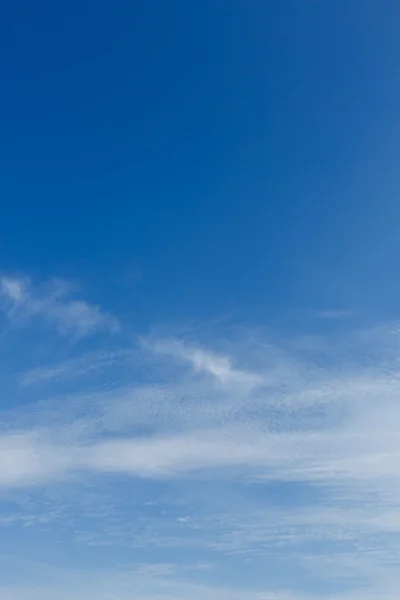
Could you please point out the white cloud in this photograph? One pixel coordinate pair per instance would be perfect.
(22, 302)
(26, 459)
(205, 361)
(14, 289)
(269, 432)
(328, 432)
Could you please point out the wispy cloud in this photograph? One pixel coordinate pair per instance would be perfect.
(23, 301)
(271, 433)
(220, 367)
(302, 446)
(75, 368)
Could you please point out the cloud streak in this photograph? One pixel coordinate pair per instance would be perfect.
(203, 361)
(22, 302)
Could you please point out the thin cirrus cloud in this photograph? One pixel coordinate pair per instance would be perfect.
(220, 367)
(75, 368)
(269, 433)
(302, 447)
(22, 301)
(359, 444)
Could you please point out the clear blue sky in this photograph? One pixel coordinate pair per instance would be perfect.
(199, 246)
(230, 153)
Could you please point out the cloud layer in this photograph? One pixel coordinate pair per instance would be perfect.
(284, 453)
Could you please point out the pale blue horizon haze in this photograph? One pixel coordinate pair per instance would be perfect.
(199, 300)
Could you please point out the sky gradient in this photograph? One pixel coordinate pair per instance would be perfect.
(199, 323)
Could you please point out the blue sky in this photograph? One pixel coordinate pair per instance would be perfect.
(199, 373)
